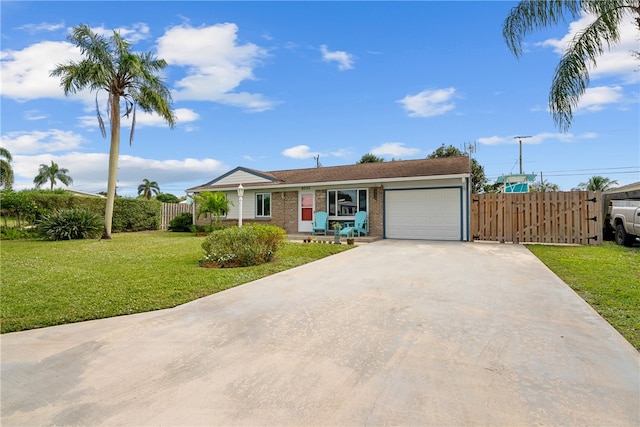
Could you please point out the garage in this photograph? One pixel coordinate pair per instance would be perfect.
(424, 214)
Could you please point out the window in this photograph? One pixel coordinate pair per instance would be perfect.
(263, 204)
(346, 202)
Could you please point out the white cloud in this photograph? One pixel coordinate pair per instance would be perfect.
(89, 171)
(43, 26)
(429, 103)
(493, 140)
(596, 98)
(183, 116)
(25, 73)
(537, 139)
(34, 115)
(216, 64)
(299, 152)
(51, 141)
(137, 32)
(344, 59)
(618, 61)
(394, 149)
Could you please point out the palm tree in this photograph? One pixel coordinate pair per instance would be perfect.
(598, 183)
(6, 171)
(51, 173)
(130, 77)
(572, 73)
(214, 204)
(148, 188)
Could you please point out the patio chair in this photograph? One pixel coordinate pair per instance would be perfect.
(320, 223)
(359, 226)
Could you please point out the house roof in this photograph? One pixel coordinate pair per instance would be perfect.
(85, 194)
(357, 172)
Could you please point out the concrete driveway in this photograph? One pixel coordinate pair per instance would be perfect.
(389, 333)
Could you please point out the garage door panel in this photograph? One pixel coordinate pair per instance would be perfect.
(430, 214)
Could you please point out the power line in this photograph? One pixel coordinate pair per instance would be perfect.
(579, 174)
(573, 172)
(589, 170)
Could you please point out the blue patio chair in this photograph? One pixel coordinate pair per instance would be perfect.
(359, 226)
(320, 223)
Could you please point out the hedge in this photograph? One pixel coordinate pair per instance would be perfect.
(129, 214)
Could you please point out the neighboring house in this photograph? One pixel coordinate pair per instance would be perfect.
(85, 194)
(410, 199)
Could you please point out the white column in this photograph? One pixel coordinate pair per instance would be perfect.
(240, 194)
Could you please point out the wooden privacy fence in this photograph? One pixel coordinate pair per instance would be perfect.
(172, 210)
(552, 217)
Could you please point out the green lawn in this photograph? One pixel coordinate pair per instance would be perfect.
(606, 276)
(49, 283)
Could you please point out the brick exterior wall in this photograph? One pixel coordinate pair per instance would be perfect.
(284, 211)
(375, 211)
(321, 200)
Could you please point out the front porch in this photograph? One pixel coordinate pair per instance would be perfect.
(299, 237)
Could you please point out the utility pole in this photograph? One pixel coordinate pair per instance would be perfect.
(470, 147)
(520, 138)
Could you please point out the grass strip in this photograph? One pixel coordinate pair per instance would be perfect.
(606, 276)
(51, 283)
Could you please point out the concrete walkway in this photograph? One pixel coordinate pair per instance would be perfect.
(389, 333)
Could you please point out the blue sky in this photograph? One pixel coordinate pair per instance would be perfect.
(271, 85)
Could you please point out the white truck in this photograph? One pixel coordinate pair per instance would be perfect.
(624, 218)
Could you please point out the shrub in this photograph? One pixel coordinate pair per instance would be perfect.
(136, 214)
(15, 233)
(250, 245)
(68, 224)
(182, 222)
(18, 205)
(207, 228)
(167, 198)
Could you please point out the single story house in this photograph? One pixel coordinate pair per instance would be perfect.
(408, 199)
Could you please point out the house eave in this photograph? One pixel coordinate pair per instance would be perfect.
(379, 181)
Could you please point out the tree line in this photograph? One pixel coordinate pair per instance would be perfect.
(53, 173)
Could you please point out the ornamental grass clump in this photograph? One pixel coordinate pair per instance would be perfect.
(70, 224)
(242, 247)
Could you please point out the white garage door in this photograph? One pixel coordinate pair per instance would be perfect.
(429, 214)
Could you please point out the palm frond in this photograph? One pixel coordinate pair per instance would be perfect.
(103, 131)
(6, 172)
(571, 77)
(133, 126)
(530, 15)
(6, 154)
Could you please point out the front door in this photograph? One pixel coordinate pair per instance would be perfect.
(306, 203)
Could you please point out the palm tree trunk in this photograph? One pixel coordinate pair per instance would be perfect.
(114, 152)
